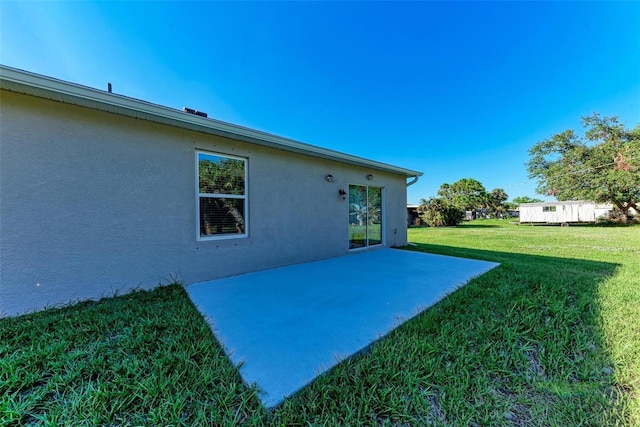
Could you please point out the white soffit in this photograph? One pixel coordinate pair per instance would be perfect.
(20, 81)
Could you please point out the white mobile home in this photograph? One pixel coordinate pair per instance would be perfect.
(103, 193)
(562, 212)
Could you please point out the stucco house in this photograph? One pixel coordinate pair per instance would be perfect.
(101, 193)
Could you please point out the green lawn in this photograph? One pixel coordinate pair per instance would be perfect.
(551, 337)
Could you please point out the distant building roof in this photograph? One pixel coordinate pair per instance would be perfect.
(567, 202)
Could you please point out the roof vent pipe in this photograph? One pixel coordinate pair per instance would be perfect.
(109, 89)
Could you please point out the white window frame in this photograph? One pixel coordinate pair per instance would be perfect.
(244, 197)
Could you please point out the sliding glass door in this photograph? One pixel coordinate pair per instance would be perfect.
(365, 216)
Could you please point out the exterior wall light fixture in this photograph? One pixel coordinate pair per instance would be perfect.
(329, 178)
(369, 177)
(342, 194)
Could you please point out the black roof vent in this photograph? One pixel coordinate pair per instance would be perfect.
(192, 111)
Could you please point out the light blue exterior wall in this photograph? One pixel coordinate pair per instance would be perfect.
(93, 202)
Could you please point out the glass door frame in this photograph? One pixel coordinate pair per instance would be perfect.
(353, 222)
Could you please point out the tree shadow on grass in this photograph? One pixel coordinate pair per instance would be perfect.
(519, 345)
(475, 225)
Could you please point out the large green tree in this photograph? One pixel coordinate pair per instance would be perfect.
(466, 194)
(603, 165)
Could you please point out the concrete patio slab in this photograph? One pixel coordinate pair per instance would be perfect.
(288, 325)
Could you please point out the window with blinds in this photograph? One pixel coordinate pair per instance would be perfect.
(222, 196)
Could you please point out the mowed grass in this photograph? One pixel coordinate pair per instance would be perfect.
(551, 337)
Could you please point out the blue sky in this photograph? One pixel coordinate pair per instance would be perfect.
(452, 89)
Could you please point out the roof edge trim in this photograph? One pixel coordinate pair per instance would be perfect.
(179, 118)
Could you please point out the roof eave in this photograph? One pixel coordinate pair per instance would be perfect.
(28, 83)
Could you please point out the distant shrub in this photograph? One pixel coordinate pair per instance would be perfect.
(617, 217)
(437, 212)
